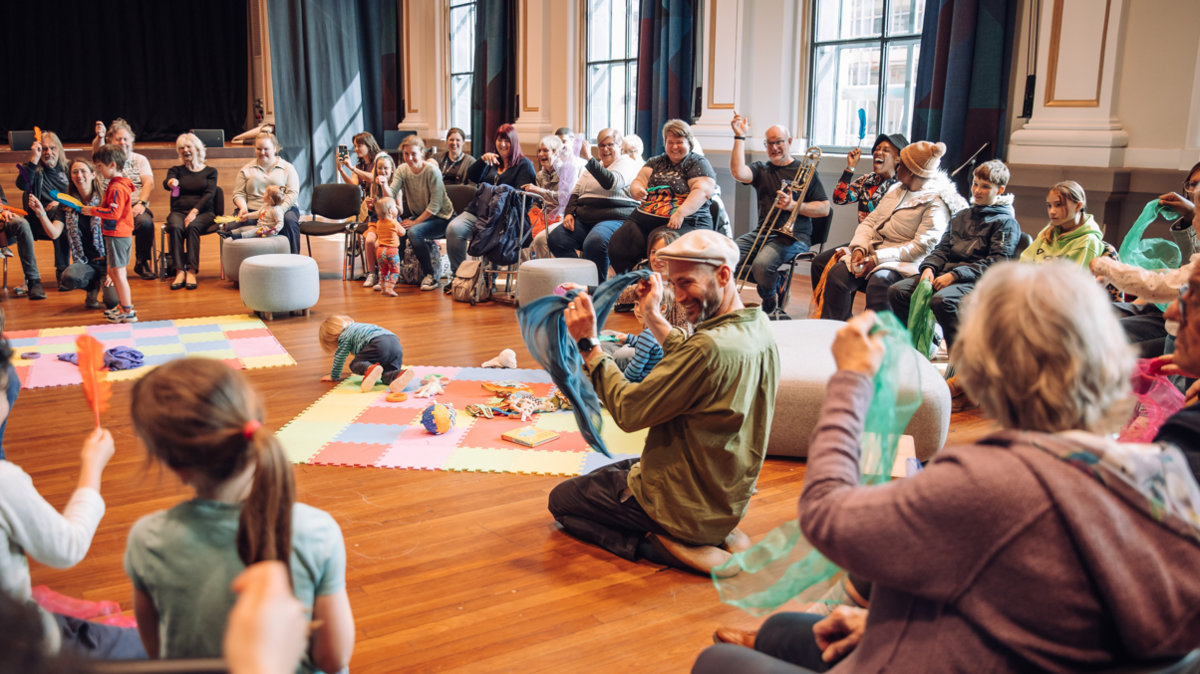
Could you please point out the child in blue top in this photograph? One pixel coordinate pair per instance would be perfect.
(646, 350)
(202, 420)
(377, 353)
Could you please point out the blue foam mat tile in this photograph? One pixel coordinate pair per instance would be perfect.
(192, 329)
(597, 460)
(157, 341)
(497, 374)
(27, 341)
(150, 325)
(385, 434)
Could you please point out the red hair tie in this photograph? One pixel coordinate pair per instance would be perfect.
(250, 427)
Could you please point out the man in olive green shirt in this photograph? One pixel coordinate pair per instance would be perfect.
(708, 405)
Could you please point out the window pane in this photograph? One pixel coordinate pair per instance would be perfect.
(460, 102)
(845, 80)
(631, 101)
(600, 29)
(849, 19)
(901, 80)
(599, 92)
(635, 29)
(906, 17)
(462, 39)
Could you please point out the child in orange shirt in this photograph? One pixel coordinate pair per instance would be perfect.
(116, 214)
(387, 244)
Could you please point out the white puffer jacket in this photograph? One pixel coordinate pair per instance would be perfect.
(906, 226)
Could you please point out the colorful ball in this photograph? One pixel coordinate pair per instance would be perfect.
(438, 418)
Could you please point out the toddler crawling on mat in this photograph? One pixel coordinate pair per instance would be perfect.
(377, 353)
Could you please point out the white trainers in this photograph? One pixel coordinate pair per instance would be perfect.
(377, 288)
(428, 283)
(372, 279)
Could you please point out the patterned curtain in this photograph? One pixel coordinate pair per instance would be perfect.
(666, 59)
(962, 79)
(494, 97)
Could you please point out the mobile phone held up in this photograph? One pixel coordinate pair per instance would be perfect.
(342, 153)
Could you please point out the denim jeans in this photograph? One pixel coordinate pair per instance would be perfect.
(458, 237)
(591, 239)
(13, 390)
(19, 232)
(765, 266)
(420, 236)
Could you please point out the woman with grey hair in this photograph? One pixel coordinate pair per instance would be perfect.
(1045, 546)
(675, 189)
(193, 190)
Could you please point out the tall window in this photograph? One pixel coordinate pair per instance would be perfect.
(462, 62)
(853, 42)
(612, 49)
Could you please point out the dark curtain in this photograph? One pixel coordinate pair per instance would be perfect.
(165, 67)
(962, 79)
(326, 66)
(494, 97)
(666, 59)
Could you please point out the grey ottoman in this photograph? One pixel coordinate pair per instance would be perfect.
(234, 251)
(538, 278)
(283, 282)
(806, 364)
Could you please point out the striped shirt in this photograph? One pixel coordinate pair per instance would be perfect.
(646, 354)
(353, 339)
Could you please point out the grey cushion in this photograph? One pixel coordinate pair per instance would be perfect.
(234, 251)
(540, 277)
(807, 363)
(274, 283)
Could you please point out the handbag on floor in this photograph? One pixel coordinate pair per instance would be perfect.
(410, 266)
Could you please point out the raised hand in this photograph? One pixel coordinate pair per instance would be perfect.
(740, 124)
(852, 158)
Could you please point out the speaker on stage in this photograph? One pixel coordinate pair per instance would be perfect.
(211, 137)
(20, 141)
(392, 139)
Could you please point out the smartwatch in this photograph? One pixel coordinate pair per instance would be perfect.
(739, 138)
(587, 344)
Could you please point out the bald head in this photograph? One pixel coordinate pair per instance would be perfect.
(779, 145)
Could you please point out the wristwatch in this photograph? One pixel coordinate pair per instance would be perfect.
(587, 344)
(739, 138)
(143, 202)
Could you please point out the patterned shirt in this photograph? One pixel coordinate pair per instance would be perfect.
(867, 191)
(353, 339)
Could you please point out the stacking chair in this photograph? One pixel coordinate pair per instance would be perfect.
(336, 201)
(820, 234)
(160, 255)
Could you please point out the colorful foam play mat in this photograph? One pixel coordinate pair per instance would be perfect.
(347, 427)
(242, 341)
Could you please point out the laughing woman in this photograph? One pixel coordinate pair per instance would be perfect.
(192, 211)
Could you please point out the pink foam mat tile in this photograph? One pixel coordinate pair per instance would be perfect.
(391, 414)
(416, 457)
(417, 436)
(247, 333)
(257, 346)
(169, 331)
(58, 339)
(50, 371)
(21, 334)
(349, 454)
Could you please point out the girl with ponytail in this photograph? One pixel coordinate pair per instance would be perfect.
(203, 421)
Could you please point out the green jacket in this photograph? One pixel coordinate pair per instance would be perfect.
(708, 405)
(1080, 245)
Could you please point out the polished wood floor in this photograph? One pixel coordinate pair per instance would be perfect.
(447, 572)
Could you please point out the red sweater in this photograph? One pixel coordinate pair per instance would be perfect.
(116, 210)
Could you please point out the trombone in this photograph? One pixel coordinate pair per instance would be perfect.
(799, 188)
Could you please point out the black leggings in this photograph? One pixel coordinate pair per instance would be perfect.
(143, 235)
(627, 247)
(185, 241)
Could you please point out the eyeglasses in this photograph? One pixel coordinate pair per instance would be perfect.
(608, 144)
(1182, 306)
(776, 143)
(1189, 186)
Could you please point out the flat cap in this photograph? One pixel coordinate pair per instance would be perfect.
(702, 246)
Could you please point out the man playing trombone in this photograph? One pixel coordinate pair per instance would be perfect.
(771, 180)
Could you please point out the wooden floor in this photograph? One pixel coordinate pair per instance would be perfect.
(447, 572)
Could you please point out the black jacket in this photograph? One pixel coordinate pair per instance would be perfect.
(977, 238)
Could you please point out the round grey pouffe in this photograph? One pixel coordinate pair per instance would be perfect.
(806, 364)
(271, 284)
(234, 251)
(538, 278)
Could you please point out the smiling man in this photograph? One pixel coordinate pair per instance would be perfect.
(708, 405)
(771, 180)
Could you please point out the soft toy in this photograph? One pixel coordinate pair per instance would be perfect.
(439, 418)
(432, 385)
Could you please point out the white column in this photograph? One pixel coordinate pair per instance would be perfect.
(1191, 146)
(535, 51)
(1074, 119)
(425, 67)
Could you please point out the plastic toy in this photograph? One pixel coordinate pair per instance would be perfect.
(67, 200)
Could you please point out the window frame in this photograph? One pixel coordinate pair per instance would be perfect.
(632, 33)
(884, 41)
(452, 5)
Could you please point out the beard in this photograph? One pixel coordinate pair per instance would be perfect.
(707, 305)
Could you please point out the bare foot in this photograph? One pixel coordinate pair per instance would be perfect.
(703, 558)
(737, 541)
(736, 636)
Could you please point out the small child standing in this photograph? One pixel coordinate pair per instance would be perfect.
(270, 218)
(377, 353)
(387, 245)
(202, 420)
(116, 223)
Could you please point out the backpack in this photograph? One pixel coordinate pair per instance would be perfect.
(410, 267)
(462, 288)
